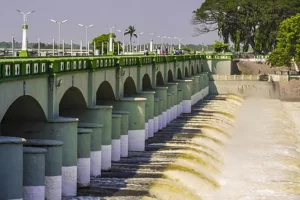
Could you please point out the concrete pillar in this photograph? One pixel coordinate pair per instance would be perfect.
(156, 114)
(149, 112)
(53, 160)
(162, 93)
(84, 159)
(173, 88)
(161, 116)
(64, 130)
(136, 132)
(33, 173)
(11, 162)
(115, 136)
(180, 94)
(169, 105)
(186, 86)
(96, 141)
(124, 132)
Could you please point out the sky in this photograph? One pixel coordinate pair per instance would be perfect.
(170, 18)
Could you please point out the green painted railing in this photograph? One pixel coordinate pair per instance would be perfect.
(28, 67)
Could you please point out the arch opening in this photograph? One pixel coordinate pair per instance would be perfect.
(72, 102)
(193, 70)
(129, 88)
(159, 79)
(179, 75)
(170, 76)
(104, 93)
(146, 85)
(22, 111)
(186, 72)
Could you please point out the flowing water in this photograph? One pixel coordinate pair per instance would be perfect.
(226, 149)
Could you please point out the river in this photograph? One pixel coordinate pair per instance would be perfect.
(226, 149)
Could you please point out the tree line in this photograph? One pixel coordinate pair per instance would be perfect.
(245, 23)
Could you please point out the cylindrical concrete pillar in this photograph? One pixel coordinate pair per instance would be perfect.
(106, 119)
(124, 132)
(162, 93)
(161, 117)
(156, 114)
(169, 99)
(96, 141)
(53, 160)
(64, 130)
(116, 140)
(173, 88)
(136, 132)
(186, 86)
(84, 159)
(11, 173)
(180, 92)
(149, 115)
(34, 173)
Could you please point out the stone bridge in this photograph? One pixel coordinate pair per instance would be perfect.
(121, 100)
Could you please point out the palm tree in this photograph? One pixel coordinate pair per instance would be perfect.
(131, 31)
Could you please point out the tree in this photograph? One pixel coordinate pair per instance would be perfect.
(288, 42)
(131, 32)
(248, 23)
(220, 47)
(104, 39)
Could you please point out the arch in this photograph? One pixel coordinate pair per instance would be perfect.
(146, 85)
(170, 76)
(129, 87)
(72, 99)
(159, 79)
(179, 74)
(186, 72)
(23, 109)
(104, 92)
(193, 70)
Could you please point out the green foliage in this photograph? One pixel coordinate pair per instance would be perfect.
(187, 49)
(220, 47)
(248, 23)
(131, 32)
(288, 42)
(104, 39)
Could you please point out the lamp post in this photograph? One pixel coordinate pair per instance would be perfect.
(179, 42)
(139, 47)
(162, 40)
(86, 34)
(110, 52)
(59, 29)
(151, 42)
(123, 42)
(24, 52)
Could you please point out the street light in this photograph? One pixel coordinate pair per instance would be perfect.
(141, 33)
(86, 33)
(151, 41)
(123, 42)
(179, 42)
(25, 27)
(59, 29)
(110, 37)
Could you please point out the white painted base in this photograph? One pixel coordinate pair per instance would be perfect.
(156, 122)
(69, 181)
(15, 199)
(146, 130)
(83, 172)
(53, 187)
(174, 112)
(181, 107)
(160, 122)
(165, 119)
(192, 100)
(96, 163)
(124, 146)
(136, 140)
(168, 115)
(106, 157)
(187, 106)
(178, 109)
(150, 127)
(116, 150)
(33, 192)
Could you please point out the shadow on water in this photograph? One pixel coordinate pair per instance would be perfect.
(179, 162)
